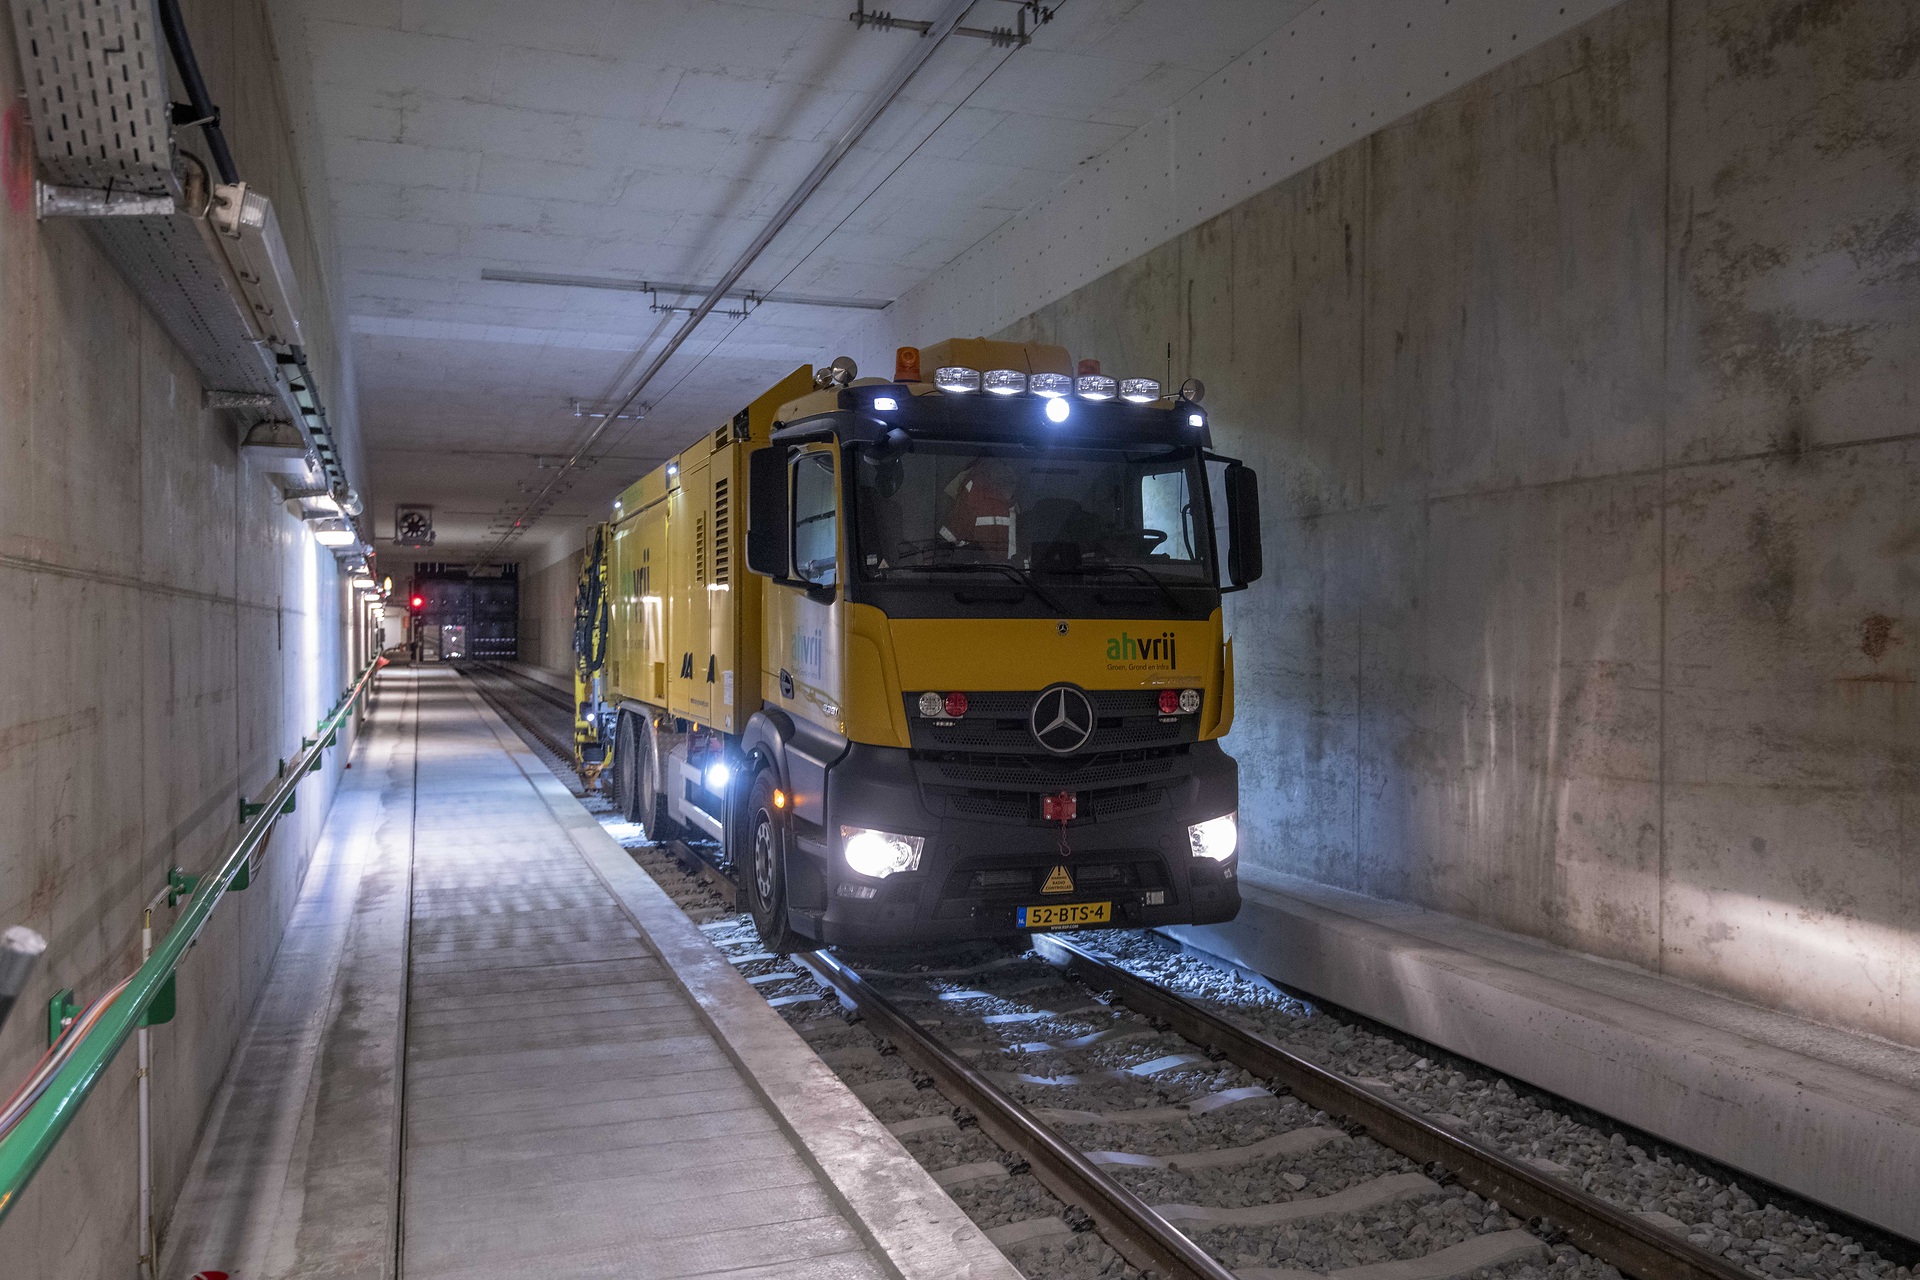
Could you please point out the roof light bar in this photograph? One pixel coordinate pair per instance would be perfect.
(1095, 386)
(1006, 382)
(1050, 384)
(956, 378)
(1140, 390)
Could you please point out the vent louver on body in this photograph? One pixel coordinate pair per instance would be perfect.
(721, 533)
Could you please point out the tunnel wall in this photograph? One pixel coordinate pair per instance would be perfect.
(171, 632)
(1582, 404)
(546, 612)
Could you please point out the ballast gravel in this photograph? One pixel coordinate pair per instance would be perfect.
(1763, 1239)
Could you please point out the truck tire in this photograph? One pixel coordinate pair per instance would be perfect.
(625, 748)
(763, 873)
(650, 800)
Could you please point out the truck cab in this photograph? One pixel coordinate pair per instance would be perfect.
(974, 679)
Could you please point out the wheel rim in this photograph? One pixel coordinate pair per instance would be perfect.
(763, 857)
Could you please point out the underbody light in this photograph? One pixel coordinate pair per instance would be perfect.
(718, 776)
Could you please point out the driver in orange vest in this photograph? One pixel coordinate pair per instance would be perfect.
(980, 508)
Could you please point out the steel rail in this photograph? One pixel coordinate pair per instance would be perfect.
(1128, 1223)
(28, 1143)
(1580, 1218)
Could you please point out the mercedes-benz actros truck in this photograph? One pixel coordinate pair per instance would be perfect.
(935, 657)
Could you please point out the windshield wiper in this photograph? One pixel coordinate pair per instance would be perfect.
(1018, 574)
(1166, 593)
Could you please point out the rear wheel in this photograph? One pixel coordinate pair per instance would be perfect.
(625, 748)
(650, 800)
(763, 874)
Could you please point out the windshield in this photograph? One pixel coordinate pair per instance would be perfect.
(1044, 520)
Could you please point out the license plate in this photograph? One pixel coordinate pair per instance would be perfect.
(1065, 915)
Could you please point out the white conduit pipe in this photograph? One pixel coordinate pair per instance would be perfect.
(149, 1261)
(942, 28)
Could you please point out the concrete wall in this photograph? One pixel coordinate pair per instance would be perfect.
(1582, 405)
(546, 613)
(170, 633)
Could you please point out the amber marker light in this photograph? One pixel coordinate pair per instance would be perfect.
(779, 798)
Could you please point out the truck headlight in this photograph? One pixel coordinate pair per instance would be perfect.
(880, 853)
(1215, 838)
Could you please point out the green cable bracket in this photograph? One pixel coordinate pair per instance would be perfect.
(180, 884)
(243, 877)
(159, 1010)
(61, 1011)
(248, 809)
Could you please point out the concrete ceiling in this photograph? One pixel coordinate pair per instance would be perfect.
(650, 140)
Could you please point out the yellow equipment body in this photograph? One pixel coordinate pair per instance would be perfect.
(890, 731)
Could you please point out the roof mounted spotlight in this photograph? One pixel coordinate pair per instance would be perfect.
(838, 374)
(1006, 382)
(1050, 384)
(956, 378)
(1140, 390)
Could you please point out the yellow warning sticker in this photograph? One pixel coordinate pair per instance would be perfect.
(1058, 881)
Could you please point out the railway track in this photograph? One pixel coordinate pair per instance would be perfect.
(541, 711)
(1167, 1140)
(1101, 1124)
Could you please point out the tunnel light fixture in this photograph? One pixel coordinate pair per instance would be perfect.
(335, 537)
(1005, 382)
(1058, 408)
(956, 378)
(1050, 384)
(1140, 390)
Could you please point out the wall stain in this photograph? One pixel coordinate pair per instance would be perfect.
(1772, 587)
(1876, 633)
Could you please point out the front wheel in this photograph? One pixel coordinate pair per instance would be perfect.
(763, 877)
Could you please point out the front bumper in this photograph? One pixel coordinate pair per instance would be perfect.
(987, 852)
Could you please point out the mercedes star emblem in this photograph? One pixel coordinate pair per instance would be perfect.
(1062, 719)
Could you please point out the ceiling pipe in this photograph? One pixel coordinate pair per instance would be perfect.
(936, 33)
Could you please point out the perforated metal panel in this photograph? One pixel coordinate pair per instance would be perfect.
(96, 81)
(170, 264)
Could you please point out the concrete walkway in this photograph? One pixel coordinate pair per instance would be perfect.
(471, 1061)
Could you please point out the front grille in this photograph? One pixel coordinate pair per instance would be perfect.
(997, 720)
(1002, 788)
(1038, 773)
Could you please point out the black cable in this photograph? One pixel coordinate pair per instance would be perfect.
(205, 114)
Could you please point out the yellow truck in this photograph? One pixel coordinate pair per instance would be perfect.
(934, 657)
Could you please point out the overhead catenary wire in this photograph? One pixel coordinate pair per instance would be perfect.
(935, 35)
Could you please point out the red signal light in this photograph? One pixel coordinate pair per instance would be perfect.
(419, 602)
(956, 705)
(1169, 702)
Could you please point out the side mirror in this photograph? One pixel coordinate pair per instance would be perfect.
(1243, 525)
(767, 512)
